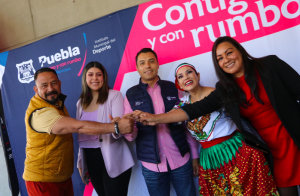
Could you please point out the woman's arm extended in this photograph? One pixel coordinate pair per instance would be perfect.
(205, 106)
(154, 119)
(187, 112)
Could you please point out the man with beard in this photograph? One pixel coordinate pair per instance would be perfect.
(49, 150)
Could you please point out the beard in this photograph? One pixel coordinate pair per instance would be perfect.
(53, 100)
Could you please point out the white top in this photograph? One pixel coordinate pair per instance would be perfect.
(211, 126)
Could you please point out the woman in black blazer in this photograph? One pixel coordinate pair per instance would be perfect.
(266, 92)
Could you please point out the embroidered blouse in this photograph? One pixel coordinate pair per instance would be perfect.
(210, 126)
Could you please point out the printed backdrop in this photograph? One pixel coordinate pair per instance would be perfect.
(179, 31)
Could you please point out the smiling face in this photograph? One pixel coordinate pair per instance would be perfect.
(94, 79)
(187, 78)
(147, 66)
(48, 87)
(230, 59)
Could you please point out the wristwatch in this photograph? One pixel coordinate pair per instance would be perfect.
(116, 128)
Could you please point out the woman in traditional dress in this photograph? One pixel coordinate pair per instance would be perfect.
(227, 165)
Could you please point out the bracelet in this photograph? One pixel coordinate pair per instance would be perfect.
(116, 128)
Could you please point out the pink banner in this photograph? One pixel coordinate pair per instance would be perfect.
(88, 191)
(181, 29)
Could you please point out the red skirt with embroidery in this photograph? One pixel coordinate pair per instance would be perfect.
(231, 167)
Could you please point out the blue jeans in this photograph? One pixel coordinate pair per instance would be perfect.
(158, 183)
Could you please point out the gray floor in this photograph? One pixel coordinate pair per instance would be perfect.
(4, 187)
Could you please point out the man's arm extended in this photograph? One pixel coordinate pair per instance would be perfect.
(67, 125)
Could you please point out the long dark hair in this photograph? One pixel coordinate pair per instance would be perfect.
(232, 93)
(86, 94)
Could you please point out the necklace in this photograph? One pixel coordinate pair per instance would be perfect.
(192, 100)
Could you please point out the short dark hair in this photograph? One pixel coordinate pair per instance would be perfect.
(44, 69)
(145, 50)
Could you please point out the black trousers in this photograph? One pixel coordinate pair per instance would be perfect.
(103, 184)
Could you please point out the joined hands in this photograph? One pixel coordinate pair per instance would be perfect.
(125, 123)
(143, 117)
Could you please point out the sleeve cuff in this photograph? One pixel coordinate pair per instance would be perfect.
(194, 153)
(53, 124)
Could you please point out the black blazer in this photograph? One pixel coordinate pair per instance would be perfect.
(282, 84)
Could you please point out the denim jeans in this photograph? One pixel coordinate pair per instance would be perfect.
(158, 183)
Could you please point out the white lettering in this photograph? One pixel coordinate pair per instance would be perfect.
(57, 57)
(181, 15)
(64, 54)
(177, 34)
(42, 59)
(50, 61)
(152, 42)
(211, 32)
(107, 47)
(70, 51)
(195, 33)
(263, 16)
(146, 21)
(235, 4)
(286, 13)
(222, 4)
(242, 23)
(209, 7)
(161, 39)
(173, 36)
(75, 51)
(189, 11)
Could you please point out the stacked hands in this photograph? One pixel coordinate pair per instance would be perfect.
(142, 117)
(126, 123)
(152, 119)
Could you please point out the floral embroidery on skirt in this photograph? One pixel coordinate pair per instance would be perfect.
(233, 168)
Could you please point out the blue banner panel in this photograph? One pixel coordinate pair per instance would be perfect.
(68, 52)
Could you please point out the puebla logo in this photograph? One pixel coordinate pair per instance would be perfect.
(25, 71)
(62, 55)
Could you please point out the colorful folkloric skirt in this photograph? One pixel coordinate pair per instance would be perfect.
(233, 168)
